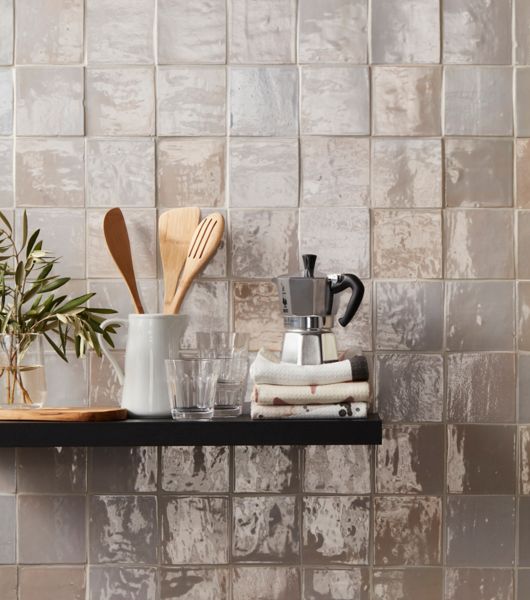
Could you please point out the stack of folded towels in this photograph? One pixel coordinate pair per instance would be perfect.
(332, 390)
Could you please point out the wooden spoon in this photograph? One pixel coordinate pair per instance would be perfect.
(205, 241)
(119, 246)
(175, 230)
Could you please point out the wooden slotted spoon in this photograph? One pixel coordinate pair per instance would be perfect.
(175, 230)
(204, 243)
(117, 239)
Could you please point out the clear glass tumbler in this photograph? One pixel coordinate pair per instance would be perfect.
(192, 384)
(232, 351)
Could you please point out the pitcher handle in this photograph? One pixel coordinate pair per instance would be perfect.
(106, 350)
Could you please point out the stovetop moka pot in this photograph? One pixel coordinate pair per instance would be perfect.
(309, 307)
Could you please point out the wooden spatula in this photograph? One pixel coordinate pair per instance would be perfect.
(205, 241)
(175, 230)
(119, 246)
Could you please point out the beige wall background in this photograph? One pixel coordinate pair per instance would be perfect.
(390, 138)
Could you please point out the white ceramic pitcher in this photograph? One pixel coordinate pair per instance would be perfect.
(151, 339)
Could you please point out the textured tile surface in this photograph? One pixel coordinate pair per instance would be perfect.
(51, 470)
(402, 584)
(479, 584)
(265, 583)
(522, 180)
(522, 37)
(195, 468)
(524, 537)
(187, 584)
(52, 583)
(6, 173)
(6, 101)
(522, 83)
(8, 582)
(523, 243)
(7, 471)
(336, 584)
(6, 32)
(266, 469)
(107, 583)
(337, 469)
(123, 469)
(8, 530)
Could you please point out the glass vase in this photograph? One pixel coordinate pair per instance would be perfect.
(22, 376)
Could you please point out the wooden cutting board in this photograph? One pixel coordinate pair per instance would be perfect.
(63, 414)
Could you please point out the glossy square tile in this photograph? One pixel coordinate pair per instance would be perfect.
(409, 315)
(522, 173)
(480, 315)
(340, 239)
(266, 469)
(335, 171)
(481, 459)
(522, 87)
(52, 583)
(265, 583)
(480, 531)
(522, 35)
(407, 530)
(195, 468)
(8, 482)
(347, 107)
(337, 469)
(481, 388)
(477, 32)
(358, 333)
(50, 172)
(191, 101)
(8, 530)
(120, 172)
(405, 32)
(120, 101)
(469, 254)
(51, 529)
(404, 584)
(479, 584)
(6, 173)
(49, 32)
(410, 460)
(523, 388)
(6, 32)
(49, 101)
(406, 100)
(123, 529)
(524, 536)
(120, 32)
(524, 459)
(194, 530)
(190, 584)
(333, 31)
(406, 173)
(335, 529)
(122, 469)
(262, 32)
(108, 583)
(263, 173)
(478, 173)
(407, 244)
(265, 529)
(523, 243)
(6, 101)
(523, 583)
(105, 389)
(8, 582)
(51, 470)
(478, 101)
(336, 584)
(67, 382)
(191, 32)
(263, 101)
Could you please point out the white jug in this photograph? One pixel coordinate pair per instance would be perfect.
(151, 339)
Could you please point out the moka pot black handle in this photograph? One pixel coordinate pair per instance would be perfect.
(345, 281)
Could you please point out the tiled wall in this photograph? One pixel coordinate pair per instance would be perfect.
(349, 128)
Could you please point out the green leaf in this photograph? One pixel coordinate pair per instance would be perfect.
(6, 222)
(75, 303)
(19, 274)
(56, 347)
(31, 242)
(55, 284)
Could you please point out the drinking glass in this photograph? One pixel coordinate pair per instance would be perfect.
(192, 384)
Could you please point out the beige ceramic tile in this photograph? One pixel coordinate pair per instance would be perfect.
(141, 227)
(335, 584)
(206, 584)
(522, 85)
(49, 101)
(263, 173)
(333, 31)
(49, 32)
(191, 172)
(406, 173)
(109, 582)
(469, 254)
(125, 469)
(481, 388)
(408, 244)
(522, 170)
(8, 529)
(264, 101)
(401, 584)
(406, 31)
(6, 173)
(358, 333)
(191, 101)
(523, 315)
(335, 171)
(265, 583)
(8, 482)
(6, 101)
(195, 469)
(259, 469)
(340, 239)
(478, 101)
(346, 110)
(262, 32)
(51, 470)
(8, 582)
(524, 537)
(523, 583)
(479, 584)
(524, 433)
(50, 172)
(477, 32)
(478, 172)
(6, 32)
(480, 315)
(257, 311)
(337, 469)
(52, 583)
(120, 101)
(264, 242)
(406, 100)
(67, 383)
(120, 32)
(191, 32)
(105, 389)
(523, 388)
(522, 34)
(523, 244)
(120, 172)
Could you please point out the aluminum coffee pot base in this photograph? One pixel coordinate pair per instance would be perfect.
(309, 347)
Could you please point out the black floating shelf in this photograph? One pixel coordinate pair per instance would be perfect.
(165, 432)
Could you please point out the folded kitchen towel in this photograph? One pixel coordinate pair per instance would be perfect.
(267, 368)
(352, 391)
(344, 410)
